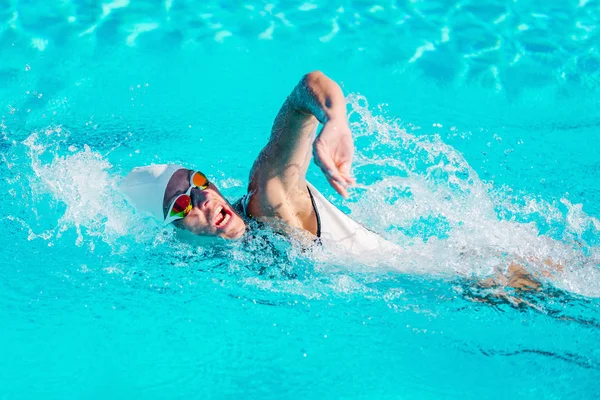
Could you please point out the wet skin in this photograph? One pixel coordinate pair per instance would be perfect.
(211, 214)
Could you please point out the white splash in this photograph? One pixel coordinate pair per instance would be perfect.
(432, 203)
(81, 187)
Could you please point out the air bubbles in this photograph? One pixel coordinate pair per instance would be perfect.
(362, 102)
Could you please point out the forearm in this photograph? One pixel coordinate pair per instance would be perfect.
(319, 96)
(286, 157)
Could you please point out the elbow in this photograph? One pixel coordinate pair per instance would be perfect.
(313, 79)
(317, 94)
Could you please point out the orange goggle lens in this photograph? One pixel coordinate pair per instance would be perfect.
(199, 180)
(182, 206)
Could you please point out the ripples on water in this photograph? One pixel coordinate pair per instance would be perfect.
(84, 98)
(500, 44)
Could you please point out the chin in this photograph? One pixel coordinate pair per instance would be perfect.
(236, 233)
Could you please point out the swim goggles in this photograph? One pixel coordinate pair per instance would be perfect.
(182, 205)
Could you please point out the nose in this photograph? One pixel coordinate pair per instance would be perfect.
(199, 198)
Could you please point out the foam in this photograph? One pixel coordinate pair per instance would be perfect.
(432, 202)
(429, 200)
(81, 187)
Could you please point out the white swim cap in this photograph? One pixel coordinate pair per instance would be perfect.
(145, 187)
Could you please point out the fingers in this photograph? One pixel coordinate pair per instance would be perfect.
(338, 176)
(336, 179)
(338, 188)
(325, 162)
(339, 179)
(344, 170)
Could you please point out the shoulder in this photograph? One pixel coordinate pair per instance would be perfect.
(271, 200)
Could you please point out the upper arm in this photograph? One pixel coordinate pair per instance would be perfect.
(287, 154)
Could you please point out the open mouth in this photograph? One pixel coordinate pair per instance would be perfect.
(222, 217)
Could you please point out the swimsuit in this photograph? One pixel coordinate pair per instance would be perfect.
(335, 229)
(338, 230)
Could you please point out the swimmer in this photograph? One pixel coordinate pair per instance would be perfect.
(278, 193)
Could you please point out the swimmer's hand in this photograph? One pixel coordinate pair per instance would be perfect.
(333, 151)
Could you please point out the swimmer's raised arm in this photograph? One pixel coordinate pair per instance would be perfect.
(278, 176)
(287, 155)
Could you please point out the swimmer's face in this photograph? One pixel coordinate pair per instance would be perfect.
(211, 214)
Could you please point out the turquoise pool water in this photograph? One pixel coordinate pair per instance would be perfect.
(477, 133)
